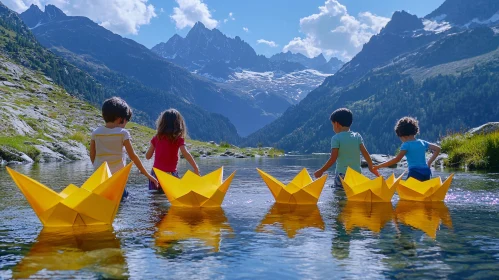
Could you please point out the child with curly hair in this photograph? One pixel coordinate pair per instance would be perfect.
(413, 149)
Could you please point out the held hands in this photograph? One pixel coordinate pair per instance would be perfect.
(154, 180)
(374, 170)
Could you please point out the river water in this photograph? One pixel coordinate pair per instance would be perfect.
(250, 237)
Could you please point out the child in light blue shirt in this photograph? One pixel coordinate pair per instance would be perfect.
(413, 149)
(346, 147)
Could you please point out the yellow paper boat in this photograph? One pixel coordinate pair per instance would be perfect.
(292, 218)
(360, 188)
(95, 203)
(372, 216)
(426, 216)
(302, 190)
(71, 249)
(181, 223)
(193, 190)
(431, 190)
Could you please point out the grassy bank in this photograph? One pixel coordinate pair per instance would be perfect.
(477, 152)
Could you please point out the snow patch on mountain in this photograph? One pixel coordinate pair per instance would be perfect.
(436, 26)
(293, 86)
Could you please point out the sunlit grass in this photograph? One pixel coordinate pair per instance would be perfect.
(476, 152)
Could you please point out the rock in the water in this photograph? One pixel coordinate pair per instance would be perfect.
(73, 150)
(48, 155)
(440, 159)
(377, 159)
(11, 156)
(485, 128)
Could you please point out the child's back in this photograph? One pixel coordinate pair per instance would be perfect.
(415, 153)
(166, 150)
(348, 145)
(109, 147)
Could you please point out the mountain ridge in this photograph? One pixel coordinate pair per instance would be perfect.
(88, 44)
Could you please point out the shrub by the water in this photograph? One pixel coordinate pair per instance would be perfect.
(476, 152)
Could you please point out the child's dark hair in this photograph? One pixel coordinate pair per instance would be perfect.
(171, 125)
(115, 108)
(407, 126)
(343, 116)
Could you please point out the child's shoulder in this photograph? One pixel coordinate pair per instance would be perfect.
(105, 130)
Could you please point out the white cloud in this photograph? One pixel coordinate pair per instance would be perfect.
(189, 12)
(246, 29)
(231, 17)
(271, 44)
(120, 16)
(334, 32)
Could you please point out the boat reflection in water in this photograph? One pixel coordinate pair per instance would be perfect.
(58, 252)
(426, 216)
(366, 215)
(292, 218)
(208, 225)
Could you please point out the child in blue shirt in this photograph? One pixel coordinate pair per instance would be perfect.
(346, 147)
(413, 149)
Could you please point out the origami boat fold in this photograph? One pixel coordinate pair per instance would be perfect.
(95, 203)
(426, 216)
(301, 190)
(431, 190)
(292, 218)
(360, 188)
(193, 190)
(208, 225)
(371, 216)
(73, 248)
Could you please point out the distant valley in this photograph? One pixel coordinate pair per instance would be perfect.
(275, 83)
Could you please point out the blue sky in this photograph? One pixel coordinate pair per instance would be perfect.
(334, 27)
(272, 20)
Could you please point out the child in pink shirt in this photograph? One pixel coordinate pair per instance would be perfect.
(169, 139)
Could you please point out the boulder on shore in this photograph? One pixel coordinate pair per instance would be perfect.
(487, 128)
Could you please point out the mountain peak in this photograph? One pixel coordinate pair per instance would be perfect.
(54, 12)
(198, 28)
(402, 22)
(199, 25)
(34, 8)
(33, 15)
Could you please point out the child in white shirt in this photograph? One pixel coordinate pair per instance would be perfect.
(110, 142)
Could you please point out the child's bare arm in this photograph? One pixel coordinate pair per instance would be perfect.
(367, 157)
(189, 159)
(133, 156)
(92, 151)
(436, 152)
(150, 152)
(393, 161)
(328, 164)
